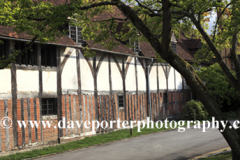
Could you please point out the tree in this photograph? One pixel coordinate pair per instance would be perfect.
(150, 19)
(219, 87)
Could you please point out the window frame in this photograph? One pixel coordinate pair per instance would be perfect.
(120, 99)
(30, 57)
(135, 46)
(54, 107)
(77, 31)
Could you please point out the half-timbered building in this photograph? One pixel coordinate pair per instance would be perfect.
(55, 80)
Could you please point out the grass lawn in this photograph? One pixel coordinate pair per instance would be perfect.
(223, 156)
(88, 141)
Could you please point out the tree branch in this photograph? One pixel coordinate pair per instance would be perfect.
(225, 69)
(218, 18)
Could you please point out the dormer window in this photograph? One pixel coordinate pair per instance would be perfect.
(174, 47)
(135, 47)
(75, 34)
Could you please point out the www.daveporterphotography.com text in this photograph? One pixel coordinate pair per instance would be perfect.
(180, 125)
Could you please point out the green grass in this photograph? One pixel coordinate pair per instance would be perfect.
(223, 156)
(86, 142)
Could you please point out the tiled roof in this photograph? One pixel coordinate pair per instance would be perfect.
(147, 50)
(182, 48)
(121, 48)
(183, 43)
(8, 32)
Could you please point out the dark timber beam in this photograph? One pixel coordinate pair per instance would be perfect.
(39, 61)
(124, 87)
(110, 87)
(14, 95)
(136, 79)
(79, 85)
(95, 90)
(59, 92)
(157, 78)
(149, 109)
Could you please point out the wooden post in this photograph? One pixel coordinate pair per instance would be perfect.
(39, 61)
(22, 118)
(14, 95)
(124, 87)
(65, 99)
(59, 92)
(79, 85)
(95, 91)
(75, 114)
(70, 111)
(29, 119)
(35, 118)
(136, 79)
(130, 127)
(6, 122)
(110, 87)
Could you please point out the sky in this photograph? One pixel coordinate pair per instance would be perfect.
(213, 17)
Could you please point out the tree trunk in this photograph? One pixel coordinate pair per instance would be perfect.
(185, 69)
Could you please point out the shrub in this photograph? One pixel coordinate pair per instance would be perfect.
(200, 111)
(219, 87)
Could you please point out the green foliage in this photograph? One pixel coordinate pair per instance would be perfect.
(197, 106)
(232, 114)
(218, 84)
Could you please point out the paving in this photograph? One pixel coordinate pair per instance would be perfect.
(168, 145)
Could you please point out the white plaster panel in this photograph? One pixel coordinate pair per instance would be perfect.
(103, 76)
(69, 73)
(49, 81)
(162, 78)
(141, 77)
(27, 81)
(5, 81)
(116, 77)
(153, 78)
(171, 79)
(130, 77)
(178, 81)
(86, 75)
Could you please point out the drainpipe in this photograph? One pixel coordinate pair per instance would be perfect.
(149, 108)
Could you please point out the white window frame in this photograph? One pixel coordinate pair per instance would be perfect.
(70, 35)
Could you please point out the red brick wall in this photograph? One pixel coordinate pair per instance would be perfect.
(135, 106)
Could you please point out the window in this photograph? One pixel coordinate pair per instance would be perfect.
(27, 58)
(30, 57)
(120, 101)
(76, 34)
(49, 56)
(49, 106)
(3, 49)
(174, 47)
(135, 47)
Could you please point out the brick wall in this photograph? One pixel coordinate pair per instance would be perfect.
(29, 109)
